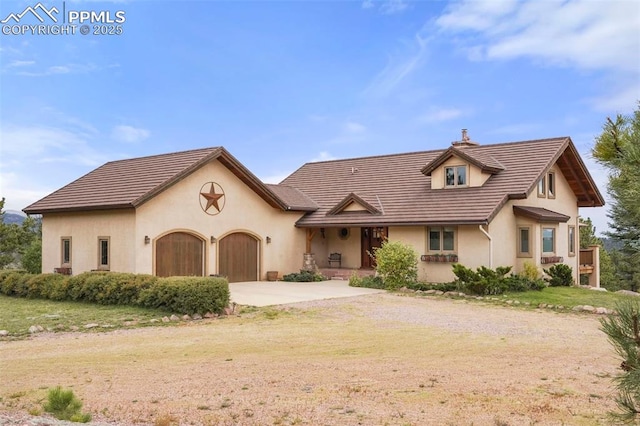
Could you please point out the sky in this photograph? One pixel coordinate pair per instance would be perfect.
(282, 83)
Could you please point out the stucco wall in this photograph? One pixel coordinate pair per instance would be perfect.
(84, 230)
(178, 209)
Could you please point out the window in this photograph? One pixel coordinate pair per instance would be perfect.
(441, 239)
(548, 240)
(547, 186)
(542, 188)
(524, 241)
(65, 251)
(455, 176)
(572, 241)
(551, 185)
(103, 252)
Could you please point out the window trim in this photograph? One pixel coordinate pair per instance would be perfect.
(542, 187)
(441, 230)
(519, 238)
(572, 241)
(455, 176)
(553, 241)
(62, 258)
(101, 266)
(551, 185)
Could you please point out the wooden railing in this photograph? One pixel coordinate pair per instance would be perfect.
(586, 257)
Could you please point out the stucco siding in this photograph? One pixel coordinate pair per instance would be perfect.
(179, 209)
(84, 229)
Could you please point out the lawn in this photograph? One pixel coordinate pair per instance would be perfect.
(569, 297)
(17, 315)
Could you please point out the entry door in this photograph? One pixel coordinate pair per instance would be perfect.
(179, 254)
(371, 238)
(239, 257)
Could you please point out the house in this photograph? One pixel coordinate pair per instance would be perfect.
(202, 212)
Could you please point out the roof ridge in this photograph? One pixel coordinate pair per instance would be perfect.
(146, 157)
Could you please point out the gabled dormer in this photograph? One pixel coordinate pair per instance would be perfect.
(462, 165)
(353, 203)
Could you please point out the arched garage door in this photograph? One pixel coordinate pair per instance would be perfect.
(179, 254)
(239, 257)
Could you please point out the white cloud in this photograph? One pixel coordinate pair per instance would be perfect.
(392, 7)
(322, 156)
(581, 33)
(60, 69)
(16, 63)
(354, 128)
(367, 4)
(399, 68)
(130, 134)
(436, 115)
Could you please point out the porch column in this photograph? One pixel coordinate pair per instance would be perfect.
(309, 262)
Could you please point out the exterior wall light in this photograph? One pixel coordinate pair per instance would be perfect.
(213, 240)
(268, 240)
(147, 240)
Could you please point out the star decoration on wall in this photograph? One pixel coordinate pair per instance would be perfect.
(212, 200)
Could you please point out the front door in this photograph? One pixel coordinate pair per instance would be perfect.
(371, 238)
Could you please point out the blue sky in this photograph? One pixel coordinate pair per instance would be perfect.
(281, 83)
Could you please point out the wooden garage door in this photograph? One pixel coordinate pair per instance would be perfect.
(179, 254)
(239, 257)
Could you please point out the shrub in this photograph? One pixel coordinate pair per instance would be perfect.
(530, 271)
(560, 275)
(397, 264)
(368, 282)
(303, 276)
(189, 295)
(64, 405)
(452, 286)
(623, 333)
(41, 286)
(14, 283)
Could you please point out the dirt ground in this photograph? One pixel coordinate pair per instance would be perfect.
(380, 359)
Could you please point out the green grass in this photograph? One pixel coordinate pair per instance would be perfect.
(17, 315)
(569, 297)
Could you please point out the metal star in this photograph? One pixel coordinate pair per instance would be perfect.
(212, 198)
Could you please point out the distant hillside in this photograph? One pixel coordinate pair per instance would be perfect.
(12, 216)
(609, 244)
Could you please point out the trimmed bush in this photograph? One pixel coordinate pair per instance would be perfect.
(397, 264)
(188, 295)
(304, 276)
(561, 275)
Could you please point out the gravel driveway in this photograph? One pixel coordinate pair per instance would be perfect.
(369, 360)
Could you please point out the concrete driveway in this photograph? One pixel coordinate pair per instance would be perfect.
(266, 293)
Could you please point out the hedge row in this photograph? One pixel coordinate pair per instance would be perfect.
(185, 295)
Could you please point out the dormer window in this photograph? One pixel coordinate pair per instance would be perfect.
(455, 176)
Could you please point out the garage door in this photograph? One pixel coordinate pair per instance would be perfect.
(239, 257)
(179, 254)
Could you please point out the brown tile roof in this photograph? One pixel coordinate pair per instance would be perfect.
(540, 214)
(129, 183)
(405, 195)
(294, 198)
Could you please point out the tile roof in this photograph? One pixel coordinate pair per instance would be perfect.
(129, 183)
(540, 214)
(405, 196)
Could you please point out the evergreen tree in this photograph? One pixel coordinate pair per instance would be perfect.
(618, 149)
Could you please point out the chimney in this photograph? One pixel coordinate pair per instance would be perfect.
(465, 141)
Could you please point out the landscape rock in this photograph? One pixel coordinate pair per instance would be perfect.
(542, 305)
(209, 315)
(439, 293)
(577, 308)
(628, 293)
(186, 318)
(602, 311)
(197, 316)
(4, 333)
(174, 317)
(588, 308)
(35, 329)
(91, 325)
(165, 319)
(597, 288)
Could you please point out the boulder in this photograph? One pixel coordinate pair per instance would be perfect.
(628, 293)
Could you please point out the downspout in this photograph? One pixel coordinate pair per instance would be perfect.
(490, 245)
